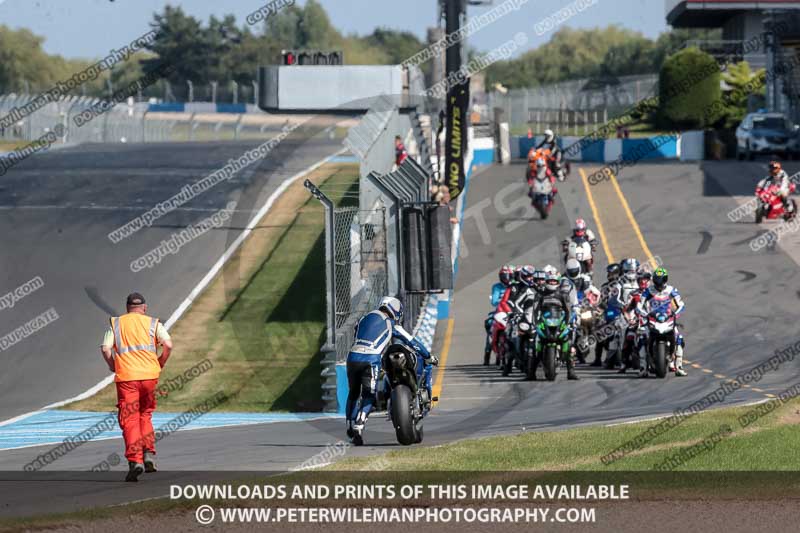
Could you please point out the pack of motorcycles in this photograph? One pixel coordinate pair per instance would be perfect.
(526, 340)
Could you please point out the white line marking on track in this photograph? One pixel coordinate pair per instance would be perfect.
(200, 286)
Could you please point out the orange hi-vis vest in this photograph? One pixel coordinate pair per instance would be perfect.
(135, 342)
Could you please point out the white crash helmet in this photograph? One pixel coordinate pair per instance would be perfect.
(630, 268)
(550, 269)
(549, 135)
(551, 282)
(573, 269)
(392, 307)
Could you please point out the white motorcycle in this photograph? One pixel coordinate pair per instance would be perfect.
(661, 337)
(579, 249)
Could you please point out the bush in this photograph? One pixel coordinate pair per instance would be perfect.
(689, 90)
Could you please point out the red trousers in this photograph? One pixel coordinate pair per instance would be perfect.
(136, 401)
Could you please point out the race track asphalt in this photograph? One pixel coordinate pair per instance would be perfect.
(56, 211)
(733, 297)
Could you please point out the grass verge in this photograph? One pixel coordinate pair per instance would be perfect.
(765, 445)
(261, 321)
(736, 468)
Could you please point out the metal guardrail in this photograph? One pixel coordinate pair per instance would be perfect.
(119, 124)
(123, 123)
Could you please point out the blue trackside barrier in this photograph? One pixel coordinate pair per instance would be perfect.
(659, 147)
(650, 148)
(167, 107)
(593, 152)
(231, 108)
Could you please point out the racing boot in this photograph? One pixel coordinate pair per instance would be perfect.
(535, 364)
(350, 432)
(571, 375)
(358, 438)
(598, 355)
(358, 429)
(679, 371)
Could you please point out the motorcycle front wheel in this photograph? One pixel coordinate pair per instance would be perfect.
(660, 362)
(530, 362)
(550, 362)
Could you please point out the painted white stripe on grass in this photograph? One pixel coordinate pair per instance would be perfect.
(200, 286)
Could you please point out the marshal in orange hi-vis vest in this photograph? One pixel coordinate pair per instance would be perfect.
(135, 343)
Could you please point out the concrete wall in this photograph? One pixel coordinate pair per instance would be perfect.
(319, 88)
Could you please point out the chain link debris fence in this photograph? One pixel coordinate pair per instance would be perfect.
(363, 244)
(572, 105)
(360, 276)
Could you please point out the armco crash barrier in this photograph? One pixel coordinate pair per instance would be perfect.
(687, 146)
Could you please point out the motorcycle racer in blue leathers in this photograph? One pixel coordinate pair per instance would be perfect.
(373, 334)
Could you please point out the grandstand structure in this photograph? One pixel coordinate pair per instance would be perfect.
(765, 33)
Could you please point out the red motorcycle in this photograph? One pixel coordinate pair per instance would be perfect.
(770, 205)
(541, 183)
(500, 337)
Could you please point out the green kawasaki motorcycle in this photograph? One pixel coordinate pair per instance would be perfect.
(552, 329)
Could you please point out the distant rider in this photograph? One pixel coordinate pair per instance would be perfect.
(505, 277)
(613, 272)
(551, 143)
(660, 290)
(635, 338)
(580, 233)
(373, 334)
(777, 176)
(525, 299)
(621, 292)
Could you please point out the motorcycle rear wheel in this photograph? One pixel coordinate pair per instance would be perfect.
(402, 418)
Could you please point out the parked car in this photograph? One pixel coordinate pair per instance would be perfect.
(767, 133)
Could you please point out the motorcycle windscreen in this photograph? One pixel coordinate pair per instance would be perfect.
(542, 186)
(552, 315)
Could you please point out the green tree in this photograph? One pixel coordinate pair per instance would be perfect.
(634, 56)
(398, 45)
(673, 40)
(689, 90)
(181, 41)
(740, 85)
(22, 60)
(572, 54)
(315, 30)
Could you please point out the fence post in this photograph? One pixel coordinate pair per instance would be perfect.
(329, 360)
(238, 127)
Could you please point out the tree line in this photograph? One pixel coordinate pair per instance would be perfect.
(223, 50)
